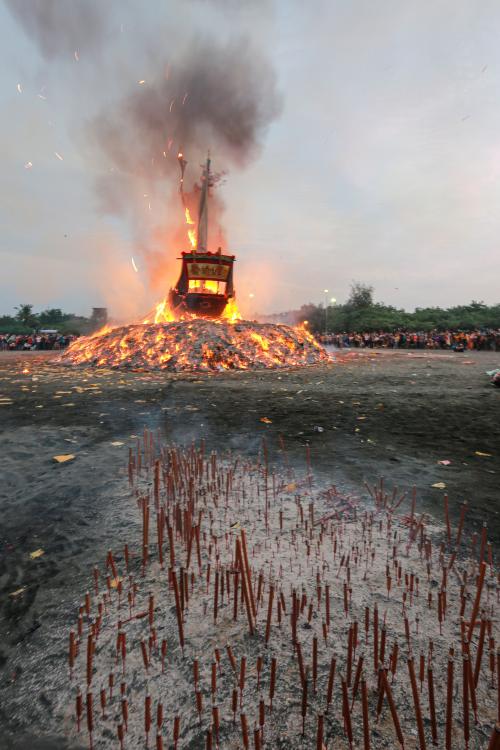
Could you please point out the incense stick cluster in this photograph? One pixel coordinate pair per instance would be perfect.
(257, 609)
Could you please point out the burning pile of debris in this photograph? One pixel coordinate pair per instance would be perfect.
(197, 344)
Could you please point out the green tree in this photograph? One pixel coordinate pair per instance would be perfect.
(52, 316)
(361, 296)
(26, 316)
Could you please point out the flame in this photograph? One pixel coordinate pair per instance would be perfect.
(163, 313)
(231, 313)
(261, 340)
(205, 285)
(190, 223)
(197, 344)
(101, 332)
(192, 237)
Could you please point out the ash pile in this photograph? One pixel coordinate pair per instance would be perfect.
(197, 345)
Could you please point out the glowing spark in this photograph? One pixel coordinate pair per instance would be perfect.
(169, 144)
(134, 266)
(164, 154)
(188, 217)
(59, 156)
(184, 98)
(19, 88)
(149, 206)
(28, 165)
(141, 82)
(77, 56)
(41, 96)
(171, 105)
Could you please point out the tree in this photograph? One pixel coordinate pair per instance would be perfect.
(26, 316)
(53, 316)
(361, 296)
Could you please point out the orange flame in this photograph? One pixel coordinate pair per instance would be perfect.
(204, 285)
(197, 344)
(163, 313)
(191, 232)
(231, 313)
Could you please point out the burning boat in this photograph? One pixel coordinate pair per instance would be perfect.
(205, 284)
(198, 327)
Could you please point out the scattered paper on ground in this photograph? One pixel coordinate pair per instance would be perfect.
(17, 592)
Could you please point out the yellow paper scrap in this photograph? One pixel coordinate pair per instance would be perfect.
(37, 553)
(17, 592)
(439, 485)
(63, 458)
(480, 453)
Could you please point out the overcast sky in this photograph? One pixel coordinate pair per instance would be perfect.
(380, 164)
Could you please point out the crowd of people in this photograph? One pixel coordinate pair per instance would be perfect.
(34, 341)
(485, 340)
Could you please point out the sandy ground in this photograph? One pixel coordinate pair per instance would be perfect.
(369, 415)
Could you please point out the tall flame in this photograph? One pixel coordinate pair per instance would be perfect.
(191, 232)
(231, 313)
(163, 313)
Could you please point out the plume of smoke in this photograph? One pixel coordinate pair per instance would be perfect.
(60, 28)
(202, 91)
(221, 97)
(218, 96)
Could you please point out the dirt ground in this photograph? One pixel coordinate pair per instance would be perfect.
(367, 415)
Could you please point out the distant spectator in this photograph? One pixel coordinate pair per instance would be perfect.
(454, 340)
(34, 342)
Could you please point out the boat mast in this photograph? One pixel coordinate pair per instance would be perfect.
(202, 234)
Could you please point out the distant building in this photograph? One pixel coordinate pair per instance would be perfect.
(99, 317)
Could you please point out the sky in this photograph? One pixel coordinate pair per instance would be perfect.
(373, 154)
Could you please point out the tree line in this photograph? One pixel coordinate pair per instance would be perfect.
(26, 321)
(361, 313)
